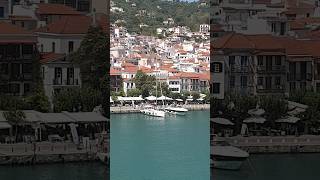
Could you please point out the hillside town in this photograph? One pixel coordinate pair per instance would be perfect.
(180, 63)
(40, 43)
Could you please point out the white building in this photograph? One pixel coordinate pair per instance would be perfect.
(58, 73)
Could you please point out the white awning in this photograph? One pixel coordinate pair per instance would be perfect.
(130, 98)
(164, 98)
(296, 111)
(258, 120)
(222, 121)
(189, 99)
(180, 100)
(288, 119)
(5, 125)
(151, 98)
(200, 99)
(256, 112)
(111, 100)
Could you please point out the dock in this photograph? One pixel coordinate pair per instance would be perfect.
(277, 144)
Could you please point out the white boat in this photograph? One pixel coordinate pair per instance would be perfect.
(151, 111)
(225, 156)
(176, 110)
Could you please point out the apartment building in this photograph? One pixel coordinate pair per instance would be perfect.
(264, 64)
(18, 54)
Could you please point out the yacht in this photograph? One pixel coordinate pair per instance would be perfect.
(176, 110)
(151, 111)
(225, 156)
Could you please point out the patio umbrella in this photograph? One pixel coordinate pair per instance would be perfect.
(257, 120)
(222, 121)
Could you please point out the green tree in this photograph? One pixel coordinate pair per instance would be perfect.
(144, 83)
(134, 92)
(15, 117)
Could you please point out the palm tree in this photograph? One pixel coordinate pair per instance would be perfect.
(15, 117)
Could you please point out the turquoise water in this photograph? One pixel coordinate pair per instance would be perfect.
(275, 167)
(73, 171)
(148, 148)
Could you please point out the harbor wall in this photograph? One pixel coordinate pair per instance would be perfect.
(46, 152)
(131, 109)
(278, 144)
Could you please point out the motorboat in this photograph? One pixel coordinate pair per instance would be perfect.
(225, 156)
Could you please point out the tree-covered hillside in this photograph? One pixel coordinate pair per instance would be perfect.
(157, 11)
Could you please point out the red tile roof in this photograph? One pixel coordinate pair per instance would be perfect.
(51, 57)
(10, 29)
(114, 72)
(56, 9)
(73, 25)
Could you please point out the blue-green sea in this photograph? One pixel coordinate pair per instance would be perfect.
(151, 148)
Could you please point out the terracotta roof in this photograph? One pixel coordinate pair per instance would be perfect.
(114, 72)
(51, 57)
(7, 28)
(21, 18)
(73, 25)
(58, 9)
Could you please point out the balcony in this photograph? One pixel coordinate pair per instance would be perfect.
(273, 90)
(300, 77)
(240, 69)
(271, 69)
(66, 82)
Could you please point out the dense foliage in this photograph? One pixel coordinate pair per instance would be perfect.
(157, 11)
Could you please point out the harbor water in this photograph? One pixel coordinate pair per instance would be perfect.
(274, 167)
(68, 171)
(151, 148)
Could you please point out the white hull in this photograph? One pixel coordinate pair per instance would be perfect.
(176, 113)
(228, 165)
(153, 112)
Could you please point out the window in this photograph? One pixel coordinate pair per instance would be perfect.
(57, 75)
(70, 46)
(260, 81)
(244, 81)
(278, 81)
(4, 68)
(22, 24)
(216, 88)
(217, 67)
(70, 75)
(232, 60)
(260, 60)
(278, 60)
(268, 82)
(53, 47)
(27, 68)
(1, 12)
(26, 88)
(232, 81)
(41, 47)
(27, 49)
(273, 27)
(244, 60)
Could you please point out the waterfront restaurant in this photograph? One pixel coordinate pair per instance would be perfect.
(64, 126)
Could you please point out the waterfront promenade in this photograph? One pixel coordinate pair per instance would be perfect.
(136, 109)
(47, 152)
(277, 144)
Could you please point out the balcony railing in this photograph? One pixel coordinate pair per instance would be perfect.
(300, 77)
(240, 69)
(270, 69)
(274, 89)
(68, 82)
